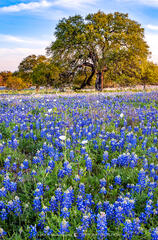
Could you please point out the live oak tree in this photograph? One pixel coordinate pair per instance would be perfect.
(27, 66)
(96, 43)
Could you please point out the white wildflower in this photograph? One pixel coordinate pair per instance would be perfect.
(62, 137)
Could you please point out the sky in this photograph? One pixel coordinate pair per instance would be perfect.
(27, 26)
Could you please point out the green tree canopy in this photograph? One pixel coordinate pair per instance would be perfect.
(27, 66)
(148, 73)
(97, 42)
(45, 74)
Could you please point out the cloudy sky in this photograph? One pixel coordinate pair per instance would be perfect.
(27, 26)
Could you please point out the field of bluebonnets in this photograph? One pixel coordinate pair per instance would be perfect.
(79, 167)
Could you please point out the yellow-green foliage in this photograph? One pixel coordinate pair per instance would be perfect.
(15, 83)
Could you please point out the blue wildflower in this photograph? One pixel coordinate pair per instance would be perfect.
(101, 225)
(64, 227)
(32, 232)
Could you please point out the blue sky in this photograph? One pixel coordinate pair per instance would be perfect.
(27, 26)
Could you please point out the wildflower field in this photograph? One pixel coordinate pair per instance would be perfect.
(79, 167)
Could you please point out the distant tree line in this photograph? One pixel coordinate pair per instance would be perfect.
(99, 50)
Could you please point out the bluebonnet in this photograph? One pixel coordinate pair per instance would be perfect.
(61, 173)
(77, 178)
(103, 190)
(53, 204)
(137, 230)
(88, 200)
(143, 217)
(45, 209)
(10, 206)
(10, 186)
(107, 166)
(68, 198)
(142, 178)
(86, 220)
(3, 214)
(114, 162)
(51, 164)
(89, 164)
(101, 225)
(82, 188)
(64, 227)
(3, 192)
(38, 192)
(7, 163)
(25, 164)
(67, 168)
(80, 203)
(83, 150)
(2, 233)
(42, 215)
(2, 205)
(1, 147)
(65, 212)
(37, 204)
(80, 232)
(33, 172)
(128, 230)
(72, 155)
(105, 157)
(17, 206)
(48, 231)
(150, 194)
(118, 180)
(14, 166)
(111, 187)
(149, 208)
(99, 206)
(119, 217)
(154, 234)
(32, 232)
(58, 194)
(102, 182)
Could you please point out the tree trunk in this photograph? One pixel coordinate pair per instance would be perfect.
(37, 88)
(102, 80)
(87, 81)
(99, 81)
(144, 84)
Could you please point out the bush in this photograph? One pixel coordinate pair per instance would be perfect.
(15, 83)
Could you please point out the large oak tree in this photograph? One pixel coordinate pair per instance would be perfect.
(96, 43)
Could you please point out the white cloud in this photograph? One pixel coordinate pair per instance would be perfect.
(16, 39)
(74, 3)
(42, 4)
(153, 3)
(13, 57)
(26, 6)
(152, 40)
(149, 2)
(152, 27)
